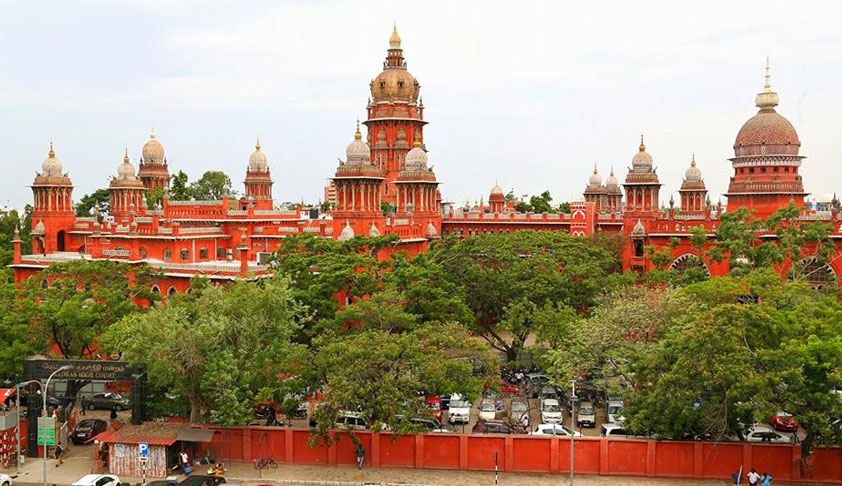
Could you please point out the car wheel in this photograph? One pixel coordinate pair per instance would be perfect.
(91, 407)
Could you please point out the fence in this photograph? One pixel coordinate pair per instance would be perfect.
(549, 455)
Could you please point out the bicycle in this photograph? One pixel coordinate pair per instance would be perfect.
(262, 463)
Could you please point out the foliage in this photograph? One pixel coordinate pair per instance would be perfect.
(8, 222)
(99, 201)
(154, 197)
(179, 190)
(219, 348)
(211, 186)
(538, 204)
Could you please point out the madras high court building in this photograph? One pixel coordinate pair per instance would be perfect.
(386, 186)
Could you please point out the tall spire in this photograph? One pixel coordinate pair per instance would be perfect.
(357, 134)
(395, 39)
(767, 99)
(642, 146)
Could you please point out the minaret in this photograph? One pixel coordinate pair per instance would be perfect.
(358, 185)
(613, 194)
(497, 200)
(766, 159)
(395, 115)
(416, 193)
(126, 191)
(258, 183)
(595, 192)
(153, 170)
(693, 191)
(642, 185)
(52, 211)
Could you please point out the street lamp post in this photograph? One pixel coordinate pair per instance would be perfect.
(572, 427)
(17, 400)
(44, 414)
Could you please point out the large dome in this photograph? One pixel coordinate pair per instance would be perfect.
(395, 83)
(51, 167)
(153, 151)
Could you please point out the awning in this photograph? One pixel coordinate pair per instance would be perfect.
(195, 435)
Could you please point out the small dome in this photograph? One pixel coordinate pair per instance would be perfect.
(39, 229)
(497, 190)
(642, 161)
(373, 232)
(51, 167)
(693, 173)
(153, 151)
(612, 181)
(639, 230)
(358, 151)
(347, 232)
(257, 160)
(431, 231)
(417, 157)
(595, 179)
(126, 169)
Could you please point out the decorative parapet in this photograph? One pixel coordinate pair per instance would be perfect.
(554, 216)
(143, 219)
(400, 222)
(116, 253)
(199, 230)
(275, 212)
(237, 212)
(164, 231)
(195, 203)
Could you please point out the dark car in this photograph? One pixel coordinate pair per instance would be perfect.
(107, 400)
(492, 427)
(87, 429)
(196, 480)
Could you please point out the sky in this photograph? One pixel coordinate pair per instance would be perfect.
(525, 93)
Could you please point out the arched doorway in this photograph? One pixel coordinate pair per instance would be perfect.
(689, 264)
(60, 240)
(815, 272)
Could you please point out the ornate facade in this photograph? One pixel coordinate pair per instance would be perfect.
(384, 186)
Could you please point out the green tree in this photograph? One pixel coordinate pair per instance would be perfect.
(154, 197)
(222, 350)
(99, 200)
(10, 221)
(179, 189)
(211, 186)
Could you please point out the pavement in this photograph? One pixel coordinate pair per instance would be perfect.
(78, 465)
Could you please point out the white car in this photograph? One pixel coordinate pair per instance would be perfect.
(5, 480)
(613, 430)
(98, 480)
(586, 416)
(550, 411)
(761, 433)
(487, 411)
(460, 410)
(520, 413)
(614, 410)
(554, 429)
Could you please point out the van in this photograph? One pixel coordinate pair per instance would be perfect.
(586, 416)
(550, 411)
(350, 421)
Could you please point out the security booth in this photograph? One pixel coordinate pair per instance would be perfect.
(162, 443)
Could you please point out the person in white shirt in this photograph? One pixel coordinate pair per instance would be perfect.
(753, 478)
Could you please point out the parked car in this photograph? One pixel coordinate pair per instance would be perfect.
(554, 429)
(98, 480)
(783, 420)
(445, 402)
(520, 413)
(550, 411)
(492, 427)
(614, 410)
(487, 410)
(87, 429)
(350, 421)
(534, 383)
(5, 480)
(195, 480)
(586, 416)
(431, 425)
(460, 410)
(761, 433)
(613, 430)
(107, 400)
(549, 393)
(507, 388)
(433, 404)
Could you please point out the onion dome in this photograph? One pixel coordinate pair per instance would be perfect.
(431, 230)
(417, 157)
(595, 180)
(767, 132)
(395, 83)
(693, 173)
(642, 161)
(373, 232)
(347, 232)
(39, 229)
(358, 151)
(611, 182)
(51, 167)
(257, 160)
(639, 230)
(125, 171)
(153, 151)
(497, 190)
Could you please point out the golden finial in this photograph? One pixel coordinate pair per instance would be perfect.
(395, 39)
(152, 133)
(612, 170)
(126, 156)
(357, 134)
(768, 75)
(693, 162)
(642, 146)
(594, 169)
(52, 153)
(257, 144)
(417, 143)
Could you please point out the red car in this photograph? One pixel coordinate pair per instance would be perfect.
(507, 388)
(783, 421)
(434, 406)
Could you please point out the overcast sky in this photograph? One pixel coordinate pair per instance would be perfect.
(530, 94)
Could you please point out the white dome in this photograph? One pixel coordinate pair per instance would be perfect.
(417, 157)
(595, 179)
(126, 169)
(347, 233)
(51, 167)
(358, 150)
(642, 160)
(693, 173)
(497, 190)
(39, 228)
(639, 229)
(373, 232)
(431, 231)
(611, 181)
(257, 160)
(153, 151)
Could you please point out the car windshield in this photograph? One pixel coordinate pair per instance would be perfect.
(551, 407)
(488, 407)
(586, 411)
(460, 404)
(615, 409)
(784, 414)
(434, 406)
(519, 407)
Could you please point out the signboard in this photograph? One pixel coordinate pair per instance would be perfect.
(144, 460)
(93, 370)
(143, 450)
(46, 431)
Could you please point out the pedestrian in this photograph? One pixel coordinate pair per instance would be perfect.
(360, 456)
(185, 464)
(765, 479)
(753, 477)
(737, 476)
(82, 405)
(58, 454)
(113, 412)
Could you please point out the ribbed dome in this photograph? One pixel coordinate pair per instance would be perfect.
(693, 173)
(642, 161)
(257, 160)
(612, 181)
(497, 190)
(358, 151)
(347, 233)
(638, 230)
(153, 151)
(51, 167)
(431, 231)
(125, 171)
(373, 232)
(595, 180)
(395, 83)
(417, 157)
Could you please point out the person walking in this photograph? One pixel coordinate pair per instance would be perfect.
(737, 476)
(360, 456)
(765, 479)
(113, 412)
(753, 478)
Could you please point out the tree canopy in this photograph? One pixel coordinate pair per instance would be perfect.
(99, 201)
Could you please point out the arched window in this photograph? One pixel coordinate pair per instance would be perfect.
(815, 272)
(203, 253)
(142, 252)
(156, 289)
(167, 254)
(220, 253)
(171, 291)
(689, 262)
(185, 254)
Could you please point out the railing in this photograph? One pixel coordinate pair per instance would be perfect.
(200, 230)
(116, 253)
(195, 203)
(237, 212)
(164, 231)
(276, 212)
